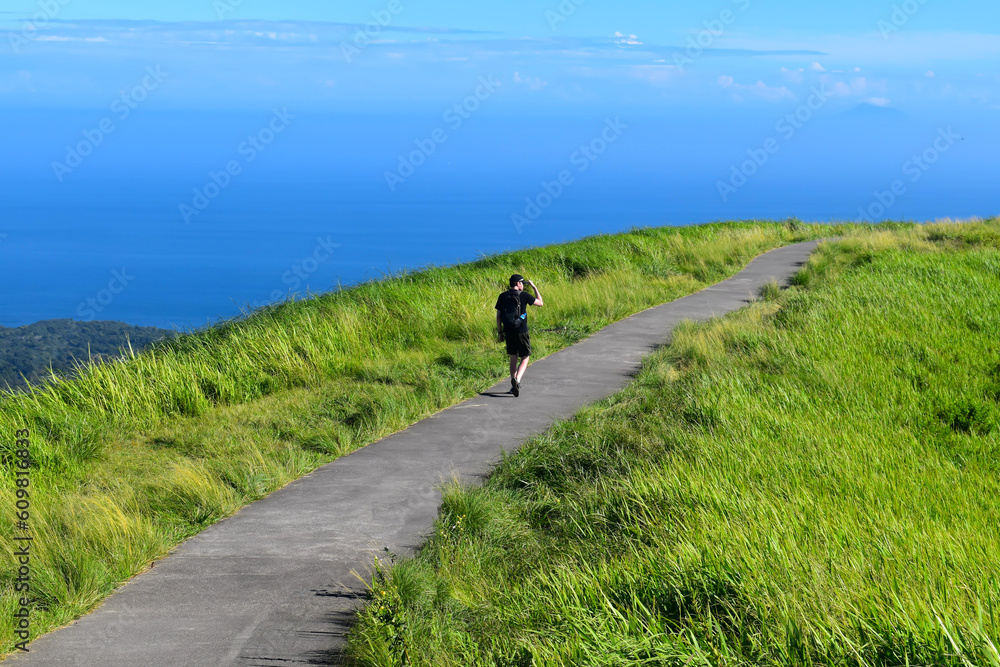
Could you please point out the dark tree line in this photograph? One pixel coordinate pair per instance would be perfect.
(29, 351)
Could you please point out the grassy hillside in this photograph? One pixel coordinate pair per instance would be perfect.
(134, 456)
(811, 481)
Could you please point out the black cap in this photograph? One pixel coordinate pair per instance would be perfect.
(515, 279)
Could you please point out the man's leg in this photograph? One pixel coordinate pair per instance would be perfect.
(525, 352)
(520, 369)
(514, 388)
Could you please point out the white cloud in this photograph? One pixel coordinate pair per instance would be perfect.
(532, 82)
(656, 75)
(841, 89)
(859, 85)
(793, 75)
(816, 67)
(930, 74)
(625, 40)
(905, 47)
(878, 101)
(764, 92)
(230, 32)
(725, 81)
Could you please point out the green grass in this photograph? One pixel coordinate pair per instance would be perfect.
(132, 457)
(814, 480)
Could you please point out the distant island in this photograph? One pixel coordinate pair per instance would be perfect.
(29, 351)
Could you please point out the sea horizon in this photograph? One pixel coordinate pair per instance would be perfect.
(131, 257)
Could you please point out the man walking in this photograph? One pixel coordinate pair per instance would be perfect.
(512, 326)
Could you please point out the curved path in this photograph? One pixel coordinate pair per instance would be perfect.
(275, 584)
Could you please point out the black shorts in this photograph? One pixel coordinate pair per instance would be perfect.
(518, 343)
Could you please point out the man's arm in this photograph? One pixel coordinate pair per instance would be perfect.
(538, 295)
(499, 326)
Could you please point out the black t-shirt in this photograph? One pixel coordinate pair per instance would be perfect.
(526, 300)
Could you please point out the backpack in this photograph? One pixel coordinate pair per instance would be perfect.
(510, 310)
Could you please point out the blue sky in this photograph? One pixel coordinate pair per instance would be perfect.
(702, 85)
(553, 57)
(515, 18)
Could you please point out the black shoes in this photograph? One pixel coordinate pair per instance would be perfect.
(515, 387)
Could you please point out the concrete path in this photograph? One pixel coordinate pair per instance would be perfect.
(275, 585)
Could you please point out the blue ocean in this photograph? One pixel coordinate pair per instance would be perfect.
(113, 240)
(122, 251)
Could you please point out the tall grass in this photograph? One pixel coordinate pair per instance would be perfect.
(811, 481)
(132, 457)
